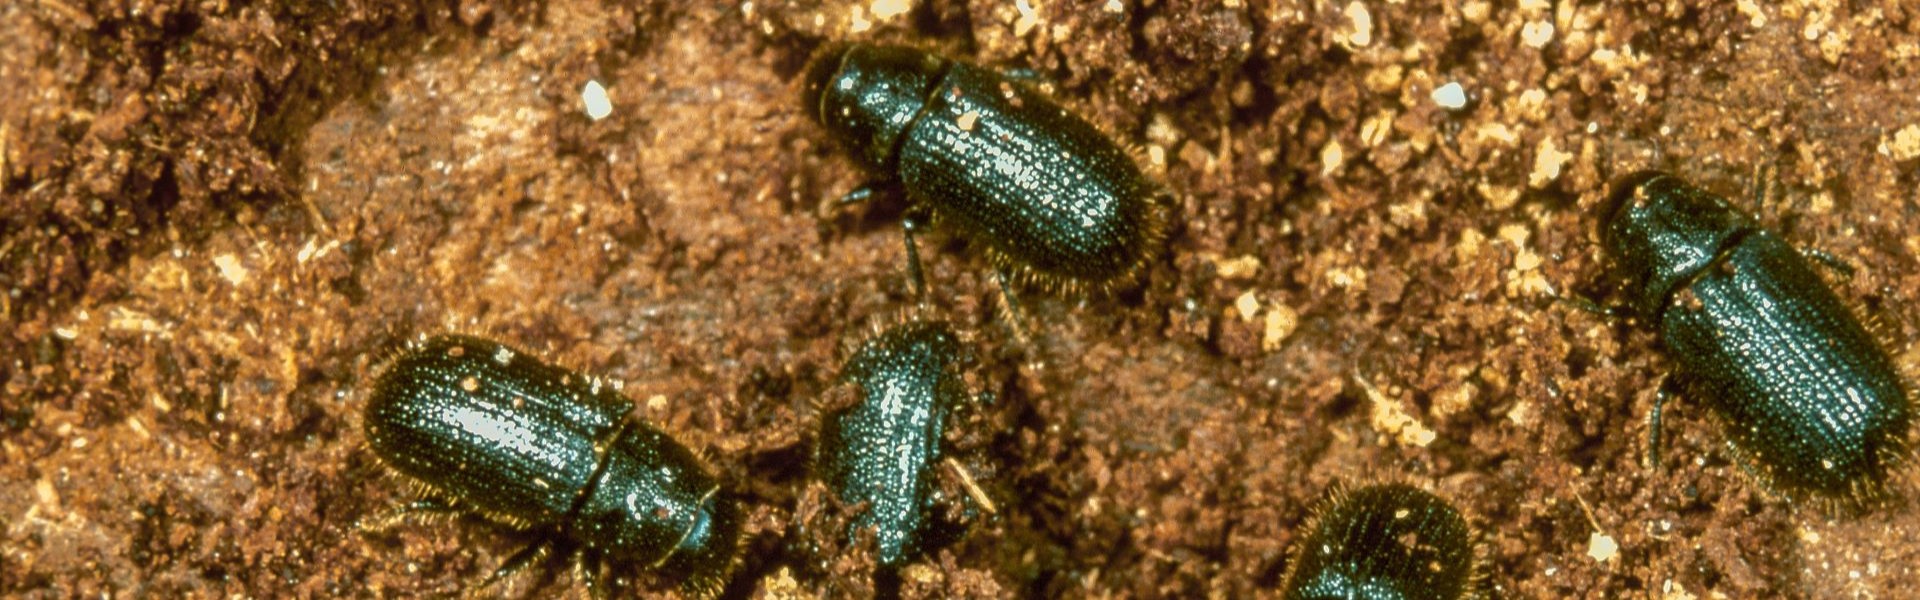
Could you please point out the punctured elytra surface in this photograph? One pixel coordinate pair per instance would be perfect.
(884, 449)
(1054, 199)
(1383, 542)
(487, 428)
(1810, 401)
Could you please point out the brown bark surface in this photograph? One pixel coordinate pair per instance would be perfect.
(216, 218)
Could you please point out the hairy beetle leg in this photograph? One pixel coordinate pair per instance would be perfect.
(1823, 258)
(517, 562)
(1015, 320)
(431, 507)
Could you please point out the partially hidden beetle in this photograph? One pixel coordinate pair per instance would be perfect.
(484, 428)
(1384, 542)
(1811, 403)
(1054, 200)
(883, 447)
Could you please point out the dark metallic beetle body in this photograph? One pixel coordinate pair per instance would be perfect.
(536, 446)
(883, 449)
(1051, 196)
(1383, 542)
(1809, 398)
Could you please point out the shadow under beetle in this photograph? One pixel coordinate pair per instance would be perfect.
(484, 428)
(1384, 542)
(883, 449)
(1811, 403)
(1054, 200)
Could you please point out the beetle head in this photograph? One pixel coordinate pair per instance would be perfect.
(1660, 232)
(867, 96)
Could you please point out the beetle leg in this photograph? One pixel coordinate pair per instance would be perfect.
(1023, 75)
(1653, 421)
(431, 507)
(1830, 261)
(909, 225)
(1029, 78)
(1014, 318)
(1757, 186)
(858, 195)
(587, 570)
(1584, 304)
(518, 561)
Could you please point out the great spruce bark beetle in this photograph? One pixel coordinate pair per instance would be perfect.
(883, 447)
(1811, 403)
(1384, 542)
(1053, 199)
(482, 427)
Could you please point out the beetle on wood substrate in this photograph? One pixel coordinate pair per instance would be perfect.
(883, 448)
(1053, 199)
(1812, 404)
(484, 428)
(1384, 542)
